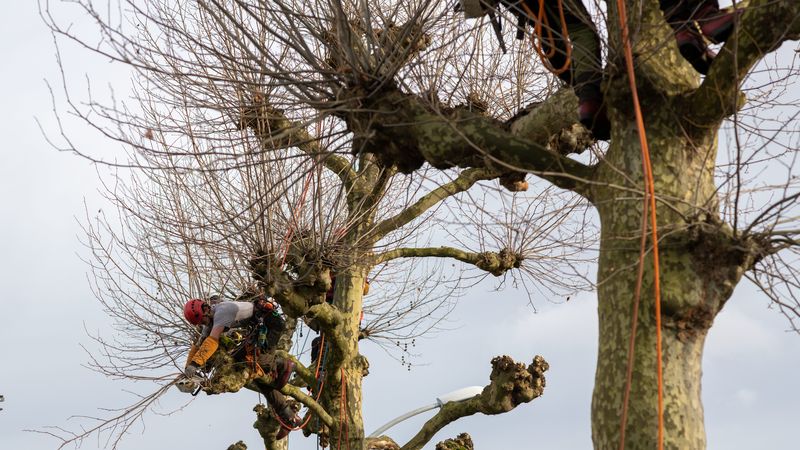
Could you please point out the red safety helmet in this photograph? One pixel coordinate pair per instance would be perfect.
(193, 311)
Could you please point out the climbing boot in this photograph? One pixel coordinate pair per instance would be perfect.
(715, 24)
(289, 421)
(694, 49)
(592, 115)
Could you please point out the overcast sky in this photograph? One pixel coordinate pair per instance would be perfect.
(751, 364)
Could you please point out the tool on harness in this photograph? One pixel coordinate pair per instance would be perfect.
(262, 333)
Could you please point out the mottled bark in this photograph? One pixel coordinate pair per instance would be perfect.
(410, 132)
(267, 426)
(764, 26)
(700, 259)
(693, 291)
(553, 121)
(381, 443)
(343, 378)
(238, 446)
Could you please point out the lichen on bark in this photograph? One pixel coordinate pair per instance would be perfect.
(462, 442)
(238, 446)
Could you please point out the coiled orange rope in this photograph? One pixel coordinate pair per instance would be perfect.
(537, 38)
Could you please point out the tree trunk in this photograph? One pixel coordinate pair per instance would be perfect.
(344, 382)
(682, 342)
(700, 264)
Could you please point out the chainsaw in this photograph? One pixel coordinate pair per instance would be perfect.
(190, 385)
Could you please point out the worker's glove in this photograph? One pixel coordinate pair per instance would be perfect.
(191, 370)
(207, 348)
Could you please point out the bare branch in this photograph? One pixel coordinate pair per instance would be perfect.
(511, 385)
(310, 403)
(276, 131)
(465, 180)
(496, 263)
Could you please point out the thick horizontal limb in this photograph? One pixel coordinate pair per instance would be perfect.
(310, 403)
(305, 374)
(410, 133)
(554, 122)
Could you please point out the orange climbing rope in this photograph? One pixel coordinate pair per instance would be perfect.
(650, 189)
(319, 355)
(343, 399)
(342, 412)
(538, 36)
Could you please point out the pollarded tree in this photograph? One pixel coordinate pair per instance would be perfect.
(275, 143)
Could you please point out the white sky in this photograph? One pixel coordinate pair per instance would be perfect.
(750, 367)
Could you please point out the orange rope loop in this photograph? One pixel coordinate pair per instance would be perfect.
(537, 38)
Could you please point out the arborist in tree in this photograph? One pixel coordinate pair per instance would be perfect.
(695, 22)
(567, 41)
(265, 325)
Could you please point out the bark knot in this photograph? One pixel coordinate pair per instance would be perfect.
(512, 383)
(462, 442)
(498, 263)
(381, 443)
